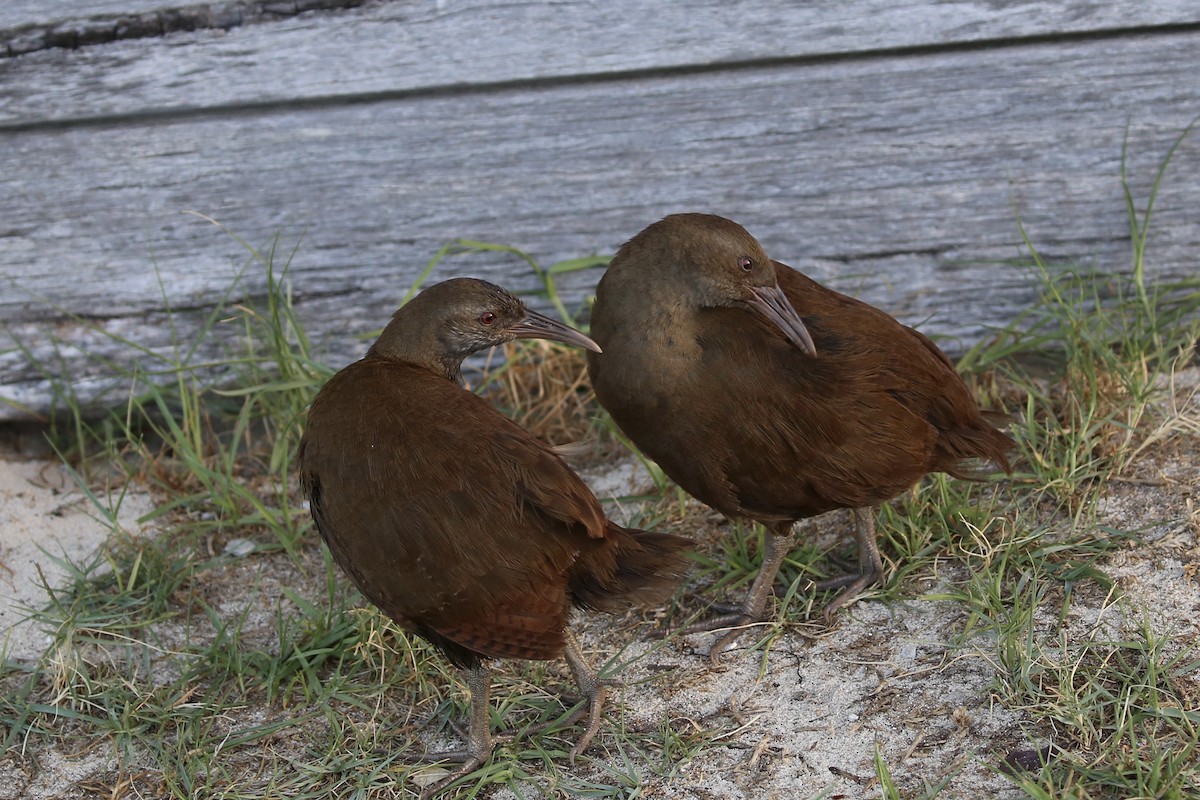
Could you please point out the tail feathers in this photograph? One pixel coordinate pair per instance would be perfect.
(629, 567)
(999, 419)
(965, 452)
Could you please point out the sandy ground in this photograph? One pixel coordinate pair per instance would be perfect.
(894, 677)
(46, 523)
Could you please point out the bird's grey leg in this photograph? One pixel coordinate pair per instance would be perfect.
(479, 736)
(479, 742)
(592, 687)
(870, 565)
(776, 545)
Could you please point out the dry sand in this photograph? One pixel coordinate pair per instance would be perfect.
(45, 520)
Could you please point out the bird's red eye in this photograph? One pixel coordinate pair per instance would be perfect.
(487, 318)
(745, 263)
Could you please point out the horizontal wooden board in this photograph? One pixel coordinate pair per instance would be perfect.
(899, 179)
(402, 47)
(137, 19)
(21, 13)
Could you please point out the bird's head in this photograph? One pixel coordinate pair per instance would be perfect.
(712, 262)
(450, 320)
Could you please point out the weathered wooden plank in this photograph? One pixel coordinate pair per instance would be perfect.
(412, 46)
(896, 178)
(19, 13)
(141, 20)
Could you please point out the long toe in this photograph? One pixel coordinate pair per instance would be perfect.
(508, 734)
(853, 588)
(737, 626)
(776, 544)
(732, 625)
(735, 619)
(479, 735)
(453, 756)
(727, 608)
(839, 582)
(870, 565)
(595, 712)
(470, 763)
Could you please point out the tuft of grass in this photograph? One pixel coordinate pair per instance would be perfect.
(1122, 714)
(1084, 362)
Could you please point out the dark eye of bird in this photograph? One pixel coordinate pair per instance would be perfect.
(487, 318)
(745, 263)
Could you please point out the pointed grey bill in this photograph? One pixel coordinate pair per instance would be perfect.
(539, 326)
(771, 303)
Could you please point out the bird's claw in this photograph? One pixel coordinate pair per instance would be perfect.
(471, 761)
(737, 626)
(594, 711)
(851, 586)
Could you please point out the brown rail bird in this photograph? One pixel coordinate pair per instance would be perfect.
(770, 397)
(456, 522)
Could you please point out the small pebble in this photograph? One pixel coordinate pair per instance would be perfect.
(239, 548)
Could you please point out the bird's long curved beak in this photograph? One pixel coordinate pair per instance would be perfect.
(772, 304)
(539, 326)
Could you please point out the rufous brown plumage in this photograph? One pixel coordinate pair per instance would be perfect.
(771, 397)
(456, 522)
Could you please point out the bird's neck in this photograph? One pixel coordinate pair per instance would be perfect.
(407, 339)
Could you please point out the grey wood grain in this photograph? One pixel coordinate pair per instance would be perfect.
(139, 20)
(18, 13)
(424, 45)
(898, 179)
